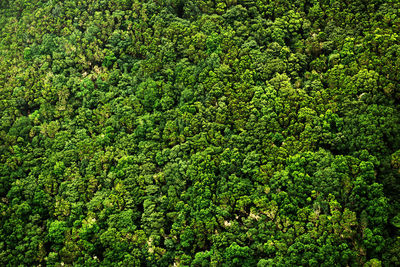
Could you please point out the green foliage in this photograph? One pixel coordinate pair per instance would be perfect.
(199, 133)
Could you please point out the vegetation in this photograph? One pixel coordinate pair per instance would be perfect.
(199, 133)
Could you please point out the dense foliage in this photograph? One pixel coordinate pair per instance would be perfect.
(225, 132)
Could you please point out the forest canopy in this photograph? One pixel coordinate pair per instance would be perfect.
(199, 133)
